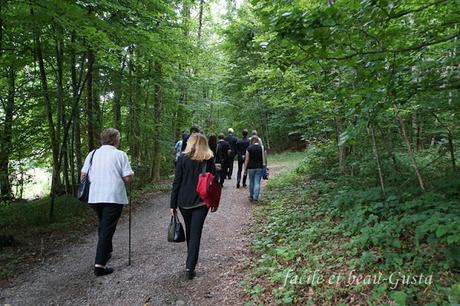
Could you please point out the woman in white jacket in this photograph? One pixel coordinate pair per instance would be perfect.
(108, 170)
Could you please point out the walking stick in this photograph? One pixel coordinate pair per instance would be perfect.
(129, 226)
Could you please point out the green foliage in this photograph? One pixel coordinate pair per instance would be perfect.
(373, 77)
(315, 221)
(20, 216)
(8, 263)
(27, 222)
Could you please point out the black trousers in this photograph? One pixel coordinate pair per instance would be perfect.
(194, 220)
(230, 168)
(108, 215)
(240, 169)
(222, 174)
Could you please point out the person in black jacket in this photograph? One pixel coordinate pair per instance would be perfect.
(193, 129)
(212, 141)
(222, 159)
(241, 147)
(253, 165)
(232, 153)
(183, 195)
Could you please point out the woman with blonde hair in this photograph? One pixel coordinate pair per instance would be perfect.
(190, 164)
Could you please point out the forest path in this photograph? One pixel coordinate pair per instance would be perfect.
(156, 275)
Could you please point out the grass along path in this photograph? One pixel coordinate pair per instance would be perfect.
(319, 239)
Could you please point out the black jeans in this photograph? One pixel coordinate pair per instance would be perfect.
(108, 215)
(222, 174)
(230, 167)
(240, 169)
(194, 220)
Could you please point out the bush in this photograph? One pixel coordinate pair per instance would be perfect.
(316, 220)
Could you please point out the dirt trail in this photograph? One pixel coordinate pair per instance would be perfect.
(156, 275)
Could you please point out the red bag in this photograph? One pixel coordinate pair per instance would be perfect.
(208, 188)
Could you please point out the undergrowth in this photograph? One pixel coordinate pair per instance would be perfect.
(328, 239)
(26, 229)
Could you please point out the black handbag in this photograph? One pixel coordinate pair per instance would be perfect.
(83, 189)
(265, 173)
(175, 230)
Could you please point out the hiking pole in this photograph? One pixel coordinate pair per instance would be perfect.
(129, 226)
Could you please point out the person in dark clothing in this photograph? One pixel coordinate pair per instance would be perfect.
(241, 147)
(222, 159)
(253, 165)
(184, 196)
(232, 153)
(193, 129)
(212, 141)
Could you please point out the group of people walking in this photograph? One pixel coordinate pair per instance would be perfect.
(108, 170)
(217, 157)
(248, 151)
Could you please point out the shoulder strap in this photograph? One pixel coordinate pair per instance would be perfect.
(91, 160)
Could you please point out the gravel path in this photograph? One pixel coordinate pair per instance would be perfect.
(156, 275)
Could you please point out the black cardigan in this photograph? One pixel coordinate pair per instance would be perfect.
(185, 181)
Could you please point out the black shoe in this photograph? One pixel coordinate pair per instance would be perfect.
(190, 274)
(237, 185)
(102, 271)
(229, 178)
(244, 185)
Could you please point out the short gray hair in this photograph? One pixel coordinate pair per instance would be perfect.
(110, 136)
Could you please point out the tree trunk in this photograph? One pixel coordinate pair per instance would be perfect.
(73, 171)
(371, 131)
(450, 142)
(179, 113)
(342, 150)
(454, 53)
(452, 151)
(200, 19)
(97, 111)
(60, 116)
(132, 108)
(1, 31)
(49, 112)
(76, 118)
(416, 134)
(388, 141)
(409, 148)
(6, 137)
(157, 121)
(90, 103)
(118, 92)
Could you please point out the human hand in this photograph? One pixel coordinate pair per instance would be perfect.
(213, 209)
(173, 211)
